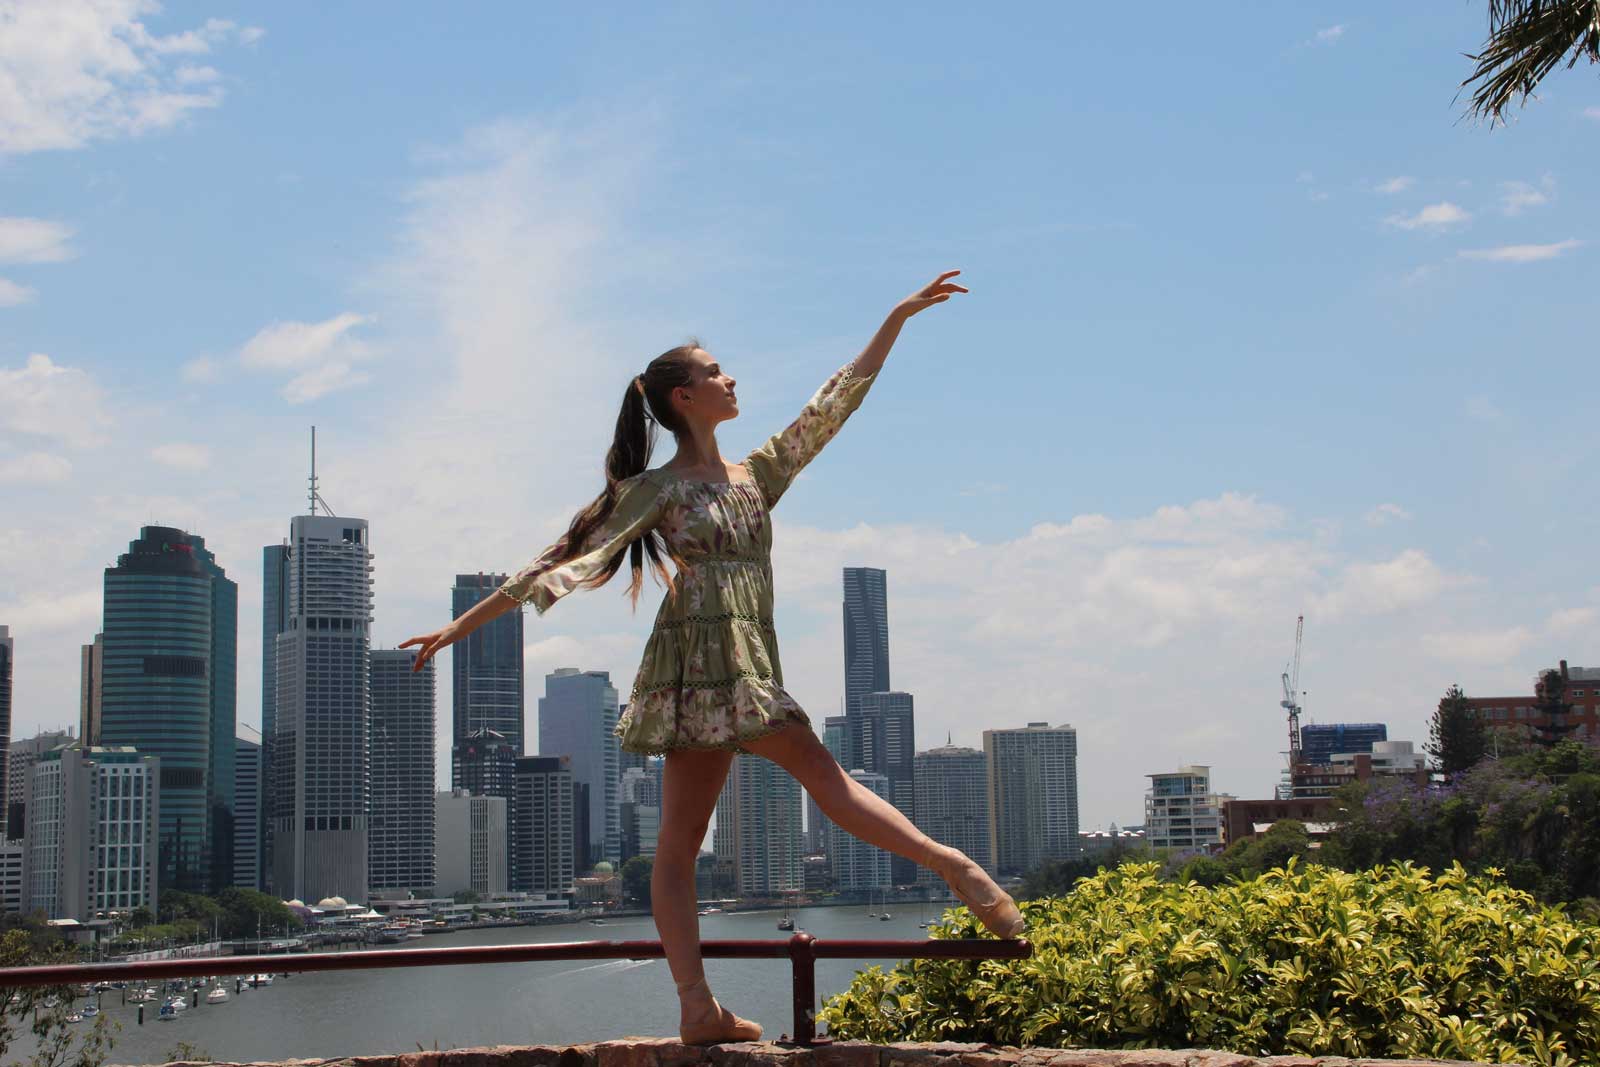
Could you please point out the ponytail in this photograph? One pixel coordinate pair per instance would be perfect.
(645, 405)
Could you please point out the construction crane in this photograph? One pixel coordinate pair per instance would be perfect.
(1291, 696)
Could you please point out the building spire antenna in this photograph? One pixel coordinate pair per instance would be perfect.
(316, 497)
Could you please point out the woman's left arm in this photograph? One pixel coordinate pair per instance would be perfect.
(870, 361)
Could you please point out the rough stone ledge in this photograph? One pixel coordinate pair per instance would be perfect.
(653, 1052)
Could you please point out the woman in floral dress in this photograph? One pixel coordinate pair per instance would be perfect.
(710, 684)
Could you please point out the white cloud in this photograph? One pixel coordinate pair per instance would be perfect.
(48, 400)
(12, 294)
(1521, 253)
(1486, 646)
(1330, 34)
(202, 369)
(1406, 581)
(1515, 197)
(182, 455)
(1573, 620)
(326, 350)
(1434, 216)
(192, 75)
(1398, 184)
(76, 71)
(24, 240)
(35, 468)
(1384, 514)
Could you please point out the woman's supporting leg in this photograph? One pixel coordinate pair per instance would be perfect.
(862, 813)
(690, 784)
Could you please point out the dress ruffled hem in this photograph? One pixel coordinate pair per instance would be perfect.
(695, 718)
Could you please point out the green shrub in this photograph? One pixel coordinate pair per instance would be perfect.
(1388, 962)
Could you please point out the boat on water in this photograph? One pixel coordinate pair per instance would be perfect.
(261, 979)
(217, 995)
(167, 1013)
(597, 922)
(786, 923)
(74, 1017)
(175, 1004)
(710, 911)
(885, 917)
(90, 1010)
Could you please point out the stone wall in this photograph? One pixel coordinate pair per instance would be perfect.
(645, 1052)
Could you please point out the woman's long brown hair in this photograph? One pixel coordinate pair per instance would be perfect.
(647, 400)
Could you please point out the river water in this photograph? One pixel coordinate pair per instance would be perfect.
(387, 1011)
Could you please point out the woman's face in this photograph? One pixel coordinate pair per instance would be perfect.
(710, 396)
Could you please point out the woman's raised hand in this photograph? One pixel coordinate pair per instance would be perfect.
(431, 643)
(935, 292)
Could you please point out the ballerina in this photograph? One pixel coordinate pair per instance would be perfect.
(709, 683)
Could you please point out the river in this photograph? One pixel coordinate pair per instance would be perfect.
(385, 1011)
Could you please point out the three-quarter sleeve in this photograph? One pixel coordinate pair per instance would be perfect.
(640, 503)
(786, 453)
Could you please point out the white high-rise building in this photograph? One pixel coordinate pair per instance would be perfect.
(1033, 795)
(320, 794)
(470, 842)
(1181, 812)
(759, 827)
(93, 820)
(856, 865)
(24, 753)
(953, 803)
(577, 715)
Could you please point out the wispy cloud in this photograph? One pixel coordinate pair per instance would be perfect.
(324, 353)
(1398, 184)
(1330, 34)
(34, 468)
(182, 455)
(85, 70)
(1433, 217)
(25, 240)
(45, 399)
(1384, 514)
(1516, 197)
(1521, 253)
(12, 294)
(1592, 113)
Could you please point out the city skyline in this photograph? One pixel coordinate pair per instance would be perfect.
(1182, 404)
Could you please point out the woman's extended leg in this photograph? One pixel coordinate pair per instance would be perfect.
(862, 813)
(689, 787)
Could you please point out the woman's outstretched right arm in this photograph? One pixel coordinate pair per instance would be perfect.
(483, 612)
(547, 578)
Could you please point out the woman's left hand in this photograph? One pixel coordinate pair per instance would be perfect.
(935, 292)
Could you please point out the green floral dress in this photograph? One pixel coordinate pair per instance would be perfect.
(710, 676)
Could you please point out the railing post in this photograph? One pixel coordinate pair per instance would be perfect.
(803, 961)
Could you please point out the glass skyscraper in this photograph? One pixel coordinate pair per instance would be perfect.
(1320, 742)
(7, 654)
(274, 620)
(167, 676)
(576, 717)
(224, 684)
(246, 813)
(866, 638)
(486, 668)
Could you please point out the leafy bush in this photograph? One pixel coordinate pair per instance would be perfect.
(1388, 962)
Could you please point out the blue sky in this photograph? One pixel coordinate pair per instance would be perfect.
(1258, 326)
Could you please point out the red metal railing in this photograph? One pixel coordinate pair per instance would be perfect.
(802, 951)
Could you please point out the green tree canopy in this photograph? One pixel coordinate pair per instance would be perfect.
(1457, 739)
(636, 879)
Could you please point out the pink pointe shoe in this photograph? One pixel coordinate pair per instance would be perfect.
(705, 1022)
(973, 887)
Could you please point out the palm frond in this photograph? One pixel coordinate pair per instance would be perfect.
(1527, 40)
